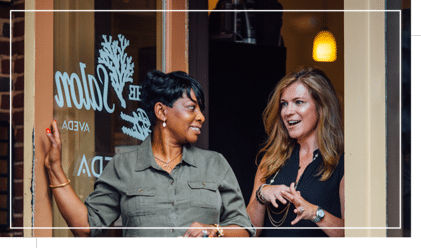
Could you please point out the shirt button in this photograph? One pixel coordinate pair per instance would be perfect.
(173, 203)
(172, 183)
(140, 190)
(203, 184)
(172, 230)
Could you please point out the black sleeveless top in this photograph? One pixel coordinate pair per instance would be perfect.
(325, 194)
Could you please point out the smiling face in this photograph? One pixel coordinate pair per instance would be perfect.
(185, 119)
(299, 112)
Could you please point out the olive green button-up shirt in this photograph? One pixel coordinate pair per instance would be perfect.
(154, 203)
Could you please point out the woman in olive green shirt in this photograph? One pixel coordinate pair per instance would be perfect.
(166, 188)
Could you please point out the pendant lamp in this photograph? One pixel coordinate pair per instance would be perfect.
(324, 47)
(324, 44)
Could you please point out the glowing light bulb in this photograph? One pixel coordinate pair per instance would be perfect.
(324, 47)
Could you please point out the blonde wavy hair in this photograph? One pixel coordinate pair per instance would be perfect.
(279, 146)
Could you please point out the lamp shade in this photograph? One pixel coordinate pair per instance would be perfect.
(324, 47)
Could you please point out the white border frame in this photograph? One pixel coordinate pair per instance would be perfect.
(400, 128)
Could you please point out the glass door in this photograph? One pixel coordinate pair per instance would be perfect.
(100, 59)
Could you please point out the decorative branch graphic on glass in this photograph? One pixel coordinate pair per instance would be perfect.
(121, 71)
(115, 59)
(141, 124)
(84, 91)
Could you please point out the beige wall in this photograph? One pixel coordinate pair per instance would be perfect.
(29, 115)
(38, 114)
(365, 128)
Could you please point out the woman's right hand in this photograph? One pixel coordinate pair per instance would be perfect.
(53, 157)
(271, 193)
(73, 210)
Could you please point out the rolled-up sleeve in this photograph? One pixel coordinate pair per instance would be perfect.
(233, 207)
(103, 203)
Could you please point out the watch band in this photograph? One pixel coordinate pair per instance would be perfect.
(320, 213)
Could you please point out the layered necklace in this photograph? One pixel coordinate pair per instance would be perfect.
(166, 166)
(286, 209)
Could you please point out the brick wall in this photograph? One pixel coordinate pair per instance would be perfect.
(17, 25)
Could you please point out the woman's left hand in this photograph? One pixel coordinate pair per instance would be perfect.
(303, 209)
(201, 230)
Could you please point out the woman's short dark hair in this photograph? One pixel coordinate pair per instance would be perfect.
(168, 88)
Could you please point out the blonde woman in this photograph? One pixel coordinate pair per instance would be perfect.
(299, 184)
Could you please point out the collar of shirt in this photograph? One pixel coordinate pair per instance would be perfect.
(145, 158)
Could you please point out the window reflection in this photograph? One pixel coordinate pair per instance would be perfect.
(100, 60)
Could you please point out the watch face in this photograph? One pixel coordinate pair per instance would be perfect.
(320, 213)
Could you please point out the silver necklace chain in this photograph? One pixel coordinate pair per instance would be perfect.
(166, 163)
(286, 209)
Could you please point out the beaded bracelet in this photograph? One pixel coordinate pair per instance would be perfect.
(219, 230)
(259, 195)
